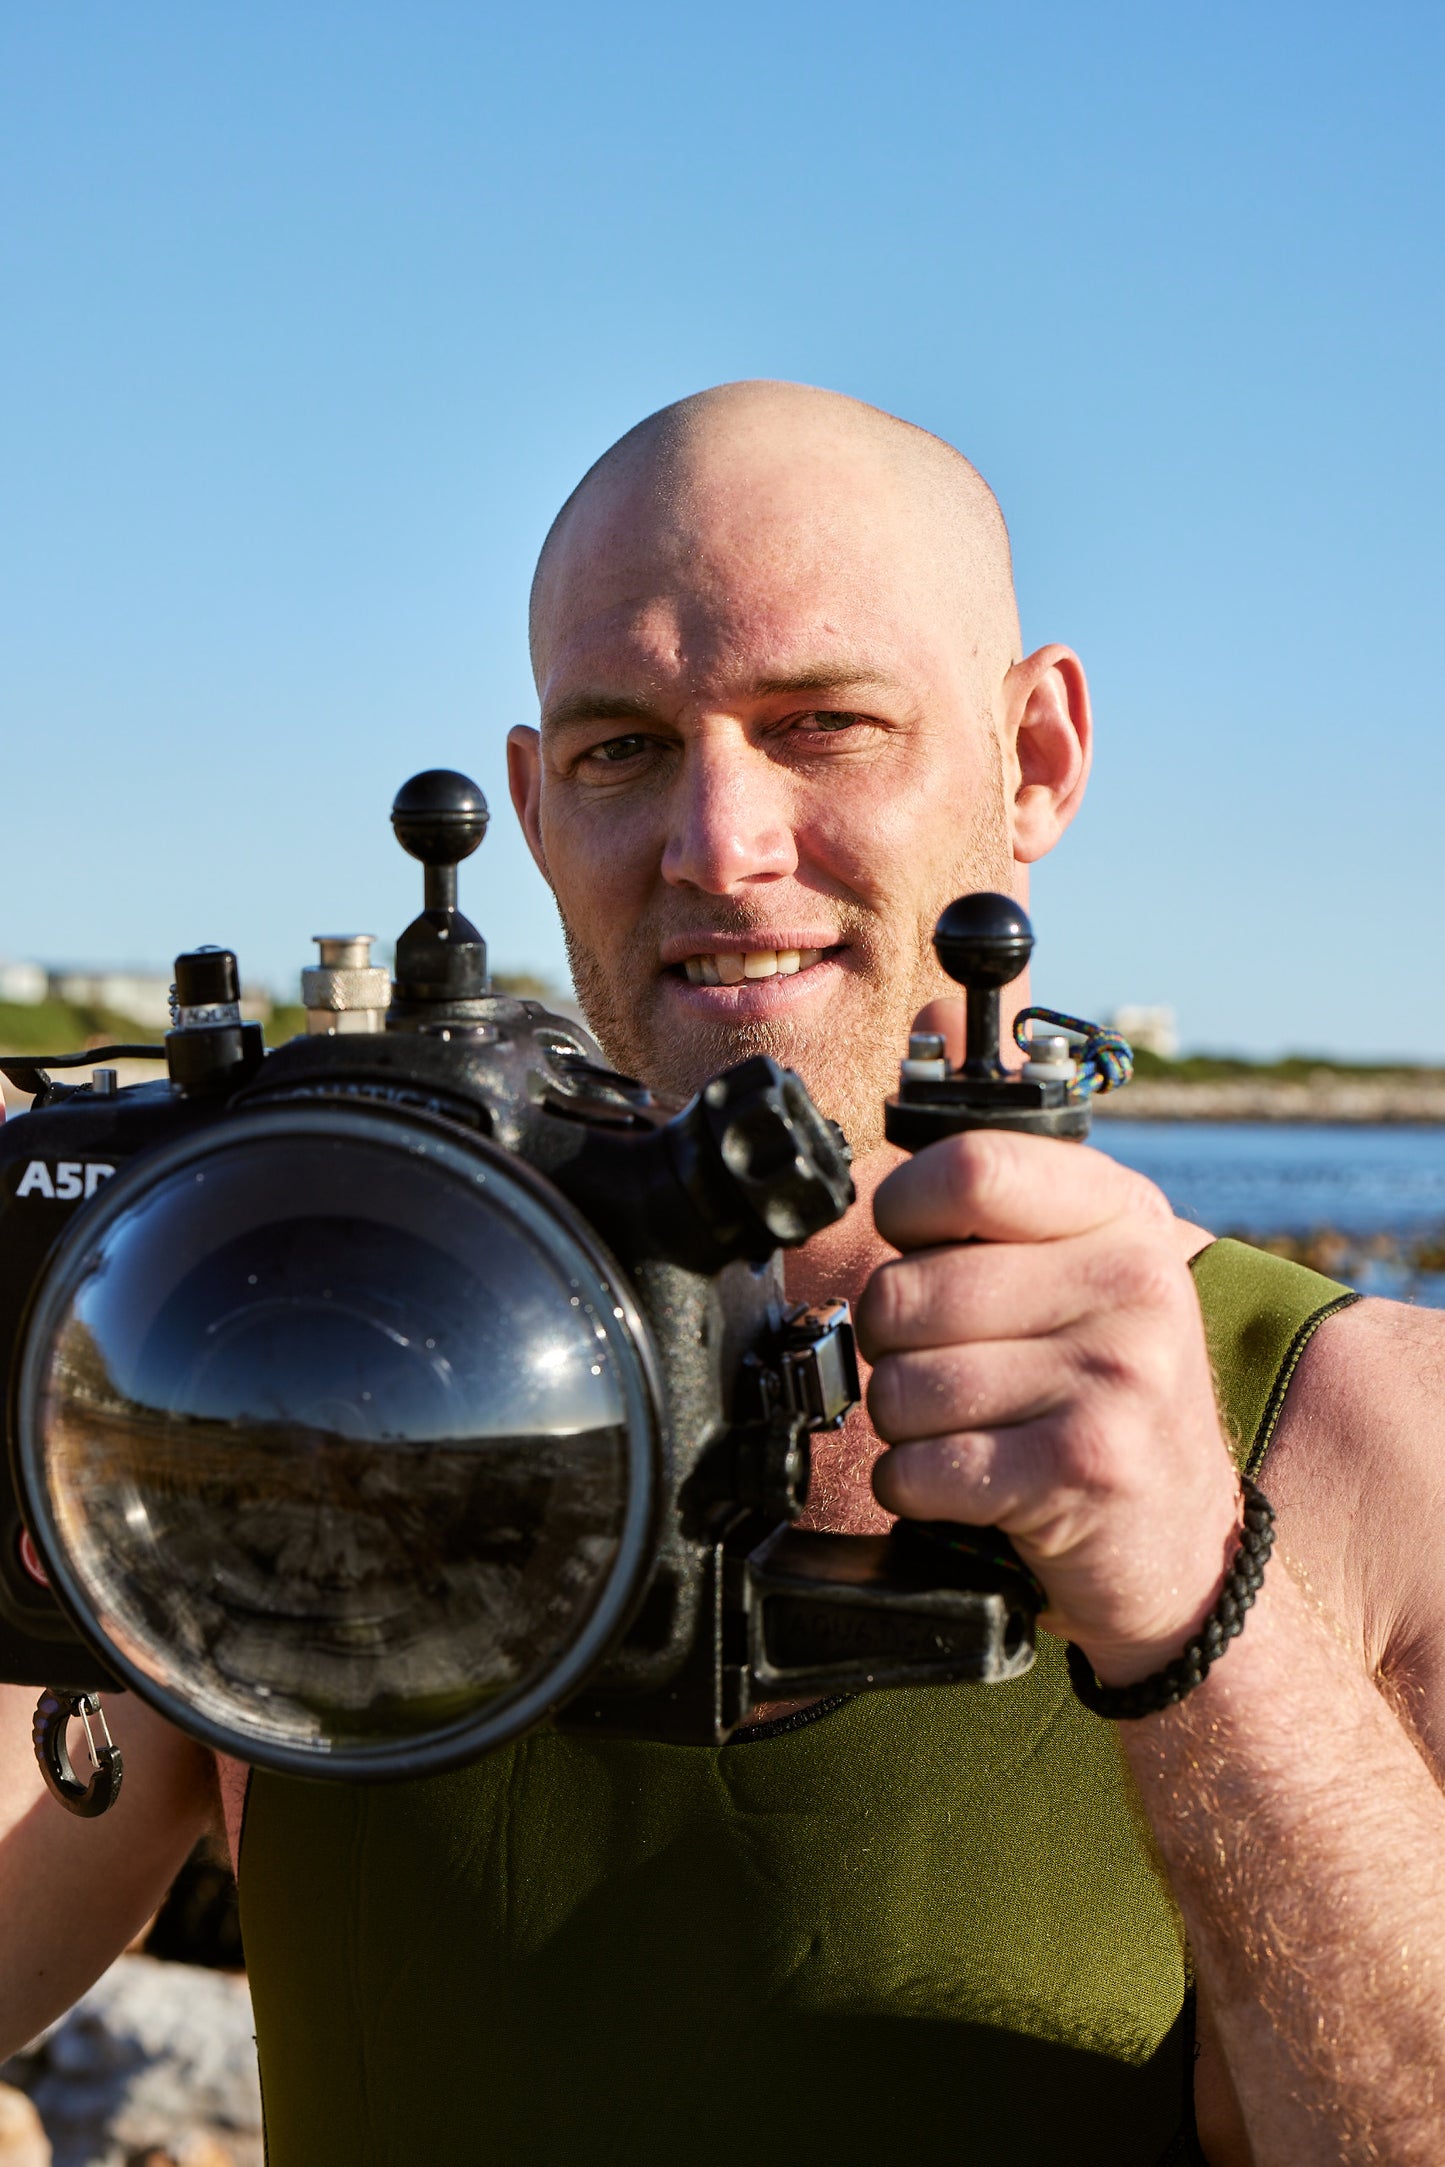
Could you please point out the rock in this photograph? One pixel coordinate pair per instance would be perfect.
(202, 2150)
(1417, 1100)
(155, 2058)
(23, 2142)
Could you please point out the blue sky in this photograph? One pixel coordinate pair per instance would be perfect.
(309, 317)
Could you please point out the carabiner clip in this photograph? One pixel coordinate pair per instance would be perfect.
(53, 1715)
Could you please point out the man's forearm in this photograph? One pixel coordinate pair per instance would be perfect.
(1304, 1836)
(74, 1892)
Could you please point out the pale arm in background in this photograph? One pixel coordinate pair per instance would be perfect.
(73, 1893)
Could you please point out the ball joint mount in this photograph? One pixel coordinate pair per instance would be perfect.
(983, 942)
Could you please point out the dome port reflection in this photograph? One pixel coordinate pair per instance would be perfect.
(347, 1440)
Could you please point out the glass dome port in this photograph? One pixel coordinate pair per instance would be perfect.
(339, 1437)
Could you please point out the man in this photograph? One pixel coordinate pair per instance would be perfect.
(785, 716)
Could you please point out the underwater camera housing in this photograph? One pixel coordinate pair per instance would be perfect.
(376, 1398)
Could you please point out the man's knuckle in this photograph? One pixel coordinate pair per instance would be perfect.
(905, 1479)
(887, 1394)
(1151, 1203)
(1105, 1364)
(899, 1305)
(971, 1172)
(874, 1317)
(1126, 1370)
(1110, 1344)
(907, 1301)
(1140, 1272)
(1086, 1453)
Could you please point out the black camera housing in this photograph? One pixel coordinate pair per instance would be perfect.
(690, 1210)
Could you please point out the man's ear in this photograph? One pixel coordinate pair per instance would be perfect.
(524, 778)
(1049, 746)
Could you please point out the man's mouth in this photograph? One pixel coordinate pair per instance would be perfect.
(756, 973)
(733, 967)
(737, 979)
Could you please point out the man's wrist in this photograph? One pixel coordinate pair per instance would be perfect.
(1148, 1692)
(1121, 1660)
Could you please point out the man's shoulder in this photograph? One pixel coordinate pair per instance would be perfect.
(1356, 1471)
(1365, 1412)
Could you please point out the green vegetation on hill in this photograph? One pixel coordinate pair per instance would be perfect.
(66, 1027)
(71, 1026)
(284, 1022)
(1294, 1068)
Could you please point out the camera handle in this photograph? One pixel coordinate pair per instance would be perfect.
(983, 942)
(53, 1716)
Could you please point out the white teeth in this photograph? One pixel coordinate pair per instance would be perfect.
(726, 969)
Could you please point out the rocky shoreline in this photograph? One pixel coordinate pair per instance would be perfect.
(1359, 1259)
(154, 2067)
(1324, 1099)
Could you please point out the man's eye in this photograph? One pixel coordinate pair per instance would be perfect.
(618, 748)
(828, 719)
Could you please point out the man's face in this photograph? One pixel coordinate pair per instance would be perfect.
(768, 757)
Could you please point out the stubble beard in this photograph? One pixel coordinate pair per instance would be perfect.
(847, 1056)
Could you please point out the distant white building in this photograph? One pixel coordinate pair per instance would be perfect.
(1152, 1030)
(23, 983)
(141, 995)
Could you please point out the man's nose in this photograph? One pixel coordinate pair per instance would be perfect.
(730, 820)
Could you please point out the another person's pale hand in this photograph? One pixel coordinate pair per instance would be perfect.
(1039, 1364)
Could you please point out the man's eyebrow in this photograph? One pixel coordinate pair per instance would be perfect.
(580, 707)
(586, 707)
(824, 677)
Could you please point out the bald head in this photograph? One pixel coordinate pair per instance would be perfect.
(768, 473)
(782, 705)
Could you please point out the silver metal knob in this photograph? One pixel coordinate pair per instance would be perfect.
(1050, 1060)
(345, 991)
(927, 1060)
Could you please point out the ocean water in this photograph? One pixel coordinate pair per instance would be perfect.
(1382, 1190)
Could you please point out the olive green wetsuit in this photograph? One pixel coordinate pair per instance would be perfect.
(927, 1925)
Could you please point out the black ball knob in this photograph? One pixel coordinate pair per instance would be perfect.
(983, 941)
(439, 816)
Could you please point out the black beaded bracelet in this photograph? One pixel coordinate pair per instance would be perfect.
(1162, 1688)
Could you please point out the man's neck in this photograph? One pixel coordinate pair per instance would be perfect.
(839, 1262)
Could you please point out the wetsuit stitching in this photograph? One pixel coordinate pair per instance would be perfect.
(1284, 1376)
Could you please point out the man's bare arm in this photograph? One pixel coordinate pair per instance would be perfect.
(1304, 1837)
(1357, 1475)
(73, 1893)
